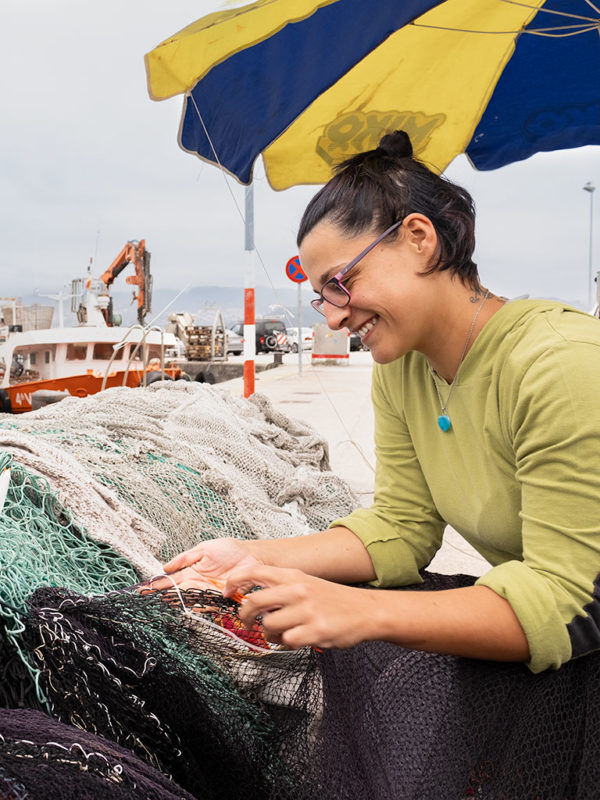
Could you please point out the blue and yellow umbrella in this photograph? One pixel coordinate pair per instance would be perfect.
(307, 83)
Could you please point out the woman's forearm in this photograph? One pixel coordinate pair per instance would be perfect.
(474, 622)
(335, 555)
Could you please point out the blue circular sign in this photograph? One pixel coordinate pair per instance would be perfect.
(294, 271)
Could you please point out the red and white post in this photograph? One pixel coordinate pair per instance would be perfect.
(249, 314)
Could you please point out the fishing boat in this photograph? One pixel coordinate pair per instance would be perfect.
(96, 354)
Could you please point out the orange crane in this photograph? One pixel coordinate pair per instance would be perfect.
(135, 253)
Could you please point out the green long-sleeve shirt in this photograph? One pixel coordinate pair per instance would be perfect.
(518, 474)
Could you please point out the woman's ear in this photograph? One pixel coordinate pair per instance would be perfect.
(420, 234)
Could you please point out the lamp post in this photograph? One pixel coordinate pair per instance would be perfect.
(590, 188)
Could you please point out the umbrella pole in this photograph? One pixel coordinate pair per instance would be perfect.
(249, 319)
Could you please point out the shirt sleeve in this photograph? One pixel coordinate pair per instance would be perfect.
(552, 420)
(402, 530)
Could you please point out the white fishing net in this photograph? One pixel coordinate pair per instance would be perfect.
(153, 471)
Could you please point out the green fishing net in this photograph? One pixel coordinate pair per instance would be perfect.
(42, 545)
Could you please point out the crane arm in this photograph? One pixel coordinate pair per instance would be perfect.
(133, 253)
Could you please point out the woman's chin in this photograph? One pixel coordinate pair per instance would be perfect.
(384, 355)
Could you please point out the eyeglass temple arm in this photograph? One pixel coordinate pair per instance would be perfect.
(368, 249)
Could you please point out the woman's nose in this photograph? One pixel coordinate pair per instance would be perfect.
(337, 318)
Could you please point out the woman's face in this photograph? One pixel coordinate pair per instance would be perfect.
(392, 303)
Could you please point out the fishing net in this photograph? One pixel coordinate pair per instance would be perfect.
(373, 721)
(41, 543)
(196, 703)
(103, 490)
(176, 463)
(405, 724)
(42, 759)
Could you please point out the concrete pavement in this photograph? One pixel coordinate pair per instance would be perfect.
(334, 398)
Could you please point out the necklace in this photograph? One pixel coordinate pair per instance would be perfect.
(443, 419)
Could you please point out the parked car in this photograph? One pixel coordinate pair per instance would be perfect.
(271, 335)
(356, 342)
(306, 336)
(235, 342)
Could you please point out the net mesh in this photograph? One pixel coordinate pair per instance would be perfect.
(180, 462)
(169, 686)
(43, 759)
(214, 716)
(406, 724)
(101, 492)
(42, 544)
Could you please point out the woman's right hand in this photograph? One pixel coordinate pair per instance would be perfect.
(206, 562)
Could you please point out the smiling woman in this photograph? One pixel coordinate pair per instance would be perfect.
(486, 419)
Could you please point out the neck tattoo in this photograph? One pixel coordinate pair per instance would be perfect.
(443, 419)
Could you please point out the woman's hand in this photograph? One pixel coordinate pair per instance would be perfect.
(206, 562)
(298, 609)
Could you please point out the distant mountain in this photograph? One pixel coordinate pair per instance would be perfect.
(204, 301)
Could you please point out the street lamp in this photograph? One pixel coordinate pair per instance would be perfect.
(590, 188)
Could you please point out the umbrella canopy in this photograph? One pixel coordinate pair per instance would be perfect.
(308, 83)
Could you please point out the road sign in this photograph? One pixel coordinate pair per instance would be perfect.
(294, 271)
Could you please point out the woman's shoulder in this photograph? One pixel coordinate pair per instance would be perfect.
(531, 327)
(547, 343)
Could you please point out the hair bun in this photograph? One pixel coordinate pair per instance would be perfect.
(396, 144)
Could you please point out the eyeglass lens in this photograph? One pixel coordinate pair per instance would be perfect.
(334, 293)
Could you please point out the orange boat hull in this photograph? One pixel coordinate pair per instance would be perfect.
(77, 385)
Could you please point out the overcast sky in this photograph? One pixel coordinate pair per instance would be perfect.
(89, 162)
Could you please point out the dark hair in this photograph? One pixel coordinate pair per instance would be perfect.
(374, 189)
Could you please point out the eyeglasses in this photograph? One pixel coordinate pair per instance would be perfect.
(333, 291)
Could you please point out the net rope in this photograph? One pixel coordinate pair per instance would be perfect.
(75, 765)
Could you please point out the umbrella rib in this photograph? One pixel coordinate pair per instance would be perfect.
(552, 11)
(224, 173)
(541, 32)
(586, 23)
(212, 147)
(570, 30)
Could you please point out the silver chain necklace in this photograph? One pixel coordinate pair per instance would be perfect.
(444, 420)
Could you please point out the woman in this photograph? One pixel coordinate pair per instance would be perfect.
(486, 418)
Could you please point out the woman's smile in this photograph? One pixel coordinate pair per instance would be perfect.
(366, 328)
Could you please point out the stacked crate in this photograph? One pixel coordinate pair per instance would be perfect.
(198, 343)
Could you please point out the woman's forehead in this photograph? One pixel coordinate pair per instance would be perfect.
(324, 252)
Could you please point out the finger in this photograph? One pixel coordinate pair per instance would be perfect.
(195, 583)
(245, 578)
(169, 581)
(262, 602)
(302, 636)
(185, 559)
(278, 621)
(156, 584)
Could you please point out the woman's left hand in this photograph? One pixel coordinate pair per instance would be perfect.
(298, 609)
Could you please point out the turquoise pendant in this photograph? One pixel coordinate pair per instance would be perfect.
(444, 422)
